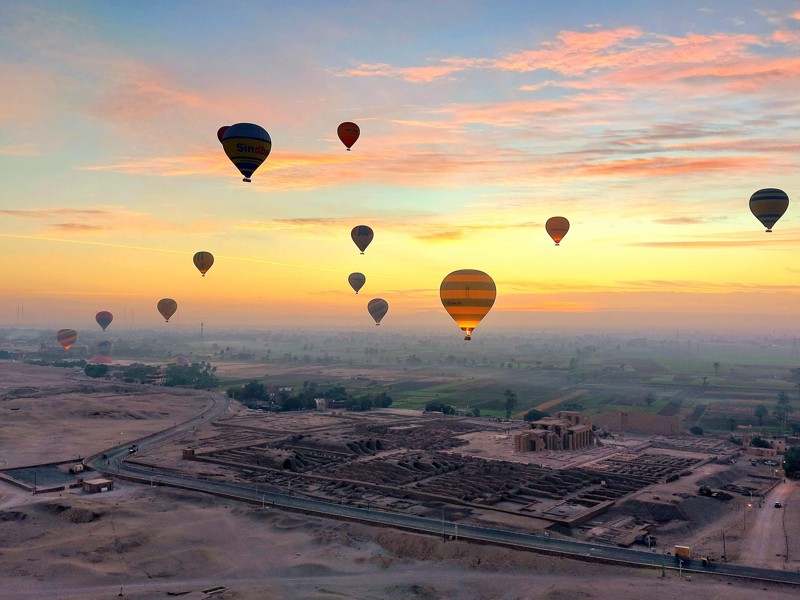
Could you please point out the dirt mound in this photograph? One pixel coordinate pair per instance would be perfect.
(70, 514)
(79, 515)
(12, 516)
(657, 512)
(420, 591)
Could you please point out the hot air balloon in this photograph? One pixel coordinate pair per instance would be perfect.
(348, 132)
(221, 131)
(356, 281)
(768, 205)
(104, 319)
(557, 228)
(247, 145)
(67, 337)
(467, 295)
(362, 235)
(104, 347)
(167, 307)
(203, 261)
(378, 307)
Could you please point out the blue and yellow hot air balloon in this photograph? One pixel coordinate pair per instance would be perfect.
(247, 145)
(467, 296)
(768, 205)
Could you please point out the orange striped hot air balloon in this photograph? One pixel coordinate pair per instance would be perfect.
(348, 133)
(467, 296)
(67, 337)
(203, 261)
(167, 308)
(768, 205)
(378, 307)
(557, 228)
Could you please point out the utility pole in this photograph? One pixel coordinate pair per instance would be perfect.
(724, 551)
(663, 566)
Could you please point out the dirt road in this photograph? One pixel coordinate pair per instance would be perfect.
(768, 529)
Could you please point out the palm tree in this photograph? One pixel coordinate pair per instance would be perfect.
(511, 402)
(761, 412)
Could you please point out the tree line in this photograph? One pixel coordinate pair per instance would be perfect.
(255, 394)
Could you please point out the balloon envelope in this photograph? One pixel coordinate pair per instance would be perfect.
(104, 319)
(167, 307)
(768, 205)
(362, 236)
(557, 228)
(247, 145)
(67, 337)
(356, 281)
(378, 307)
(104, 347)
(467, 296)
(203, 261)
(348, 132)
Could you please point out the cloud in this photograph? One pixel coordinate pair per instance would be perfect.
(680, 221)
(23, 149)
(47, 213)
(76, 227)
(418, 74)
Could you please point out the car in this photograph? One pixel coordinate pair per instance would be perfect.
(778, 505)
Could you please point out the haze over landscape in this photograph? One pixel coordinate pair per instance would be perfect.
(649, 127)
(631, 398)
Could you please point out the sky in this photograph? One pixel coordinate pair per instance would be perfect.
(648, 125)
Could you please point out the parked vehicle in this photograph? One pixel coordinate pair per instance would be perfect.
(683, 553)
(778, 505)
(133, 448)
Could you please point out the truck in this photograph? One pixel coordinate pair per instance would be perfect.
(683, 553)
(133, 448)
(76, 468)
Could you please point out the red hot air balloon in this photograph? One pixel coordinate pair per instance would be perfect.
(378, 307)
(247, 146)
(557, 228)
(348, 132)
(221, 132)
(67, 337)
(104, 319)
(167, 308)
(362, 236)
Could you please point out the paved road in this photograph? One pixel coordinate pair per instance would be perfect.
(114, 461)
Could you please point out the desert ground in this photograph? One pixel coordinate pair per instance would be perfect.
(151, 542)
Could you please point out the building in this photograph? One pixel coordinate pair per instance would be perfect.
(567, 430)
(101, 484)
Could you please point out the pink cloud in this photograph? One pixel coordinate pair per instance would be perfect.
(418, 74)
